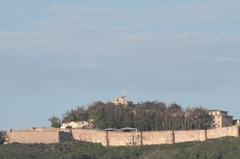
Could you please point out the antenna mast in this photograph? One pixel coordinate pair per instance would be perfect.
(17, 123)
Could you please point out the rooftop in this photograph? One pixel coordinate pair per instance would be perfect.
(217, 110)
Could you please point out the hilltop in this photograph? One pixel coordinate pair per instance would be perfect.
(145, 116)
(224, 148)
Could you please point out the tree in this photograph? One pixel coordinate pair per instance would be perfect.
(146, 116)
(55, 122)
(2, 137)
(78, 114)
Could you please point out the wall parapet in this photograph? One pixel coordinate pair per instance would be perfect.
(115, 138)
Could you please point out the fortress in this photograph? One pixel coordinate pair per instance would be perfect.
(115, 138)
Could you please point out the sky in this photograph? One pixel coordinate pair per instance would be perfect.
(59, 54)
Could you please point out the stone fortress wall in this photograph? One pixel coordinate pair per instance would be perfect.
(39, 136)
(115, 138)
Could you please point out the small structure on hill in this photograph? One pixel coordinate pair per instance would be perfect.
(128, 129)
(220, 118)
(120, 101)
(76, 125)
(110, 129)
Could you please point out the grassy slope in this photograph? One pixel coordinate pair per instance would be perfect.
(225, 148)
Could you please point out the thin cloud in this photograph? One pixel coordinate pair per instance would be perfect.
(224, 59)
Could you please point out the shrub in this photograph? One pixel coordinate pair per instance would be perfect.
(68, 127)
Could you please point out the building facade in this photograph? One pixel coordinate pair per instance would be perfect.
(220, 119)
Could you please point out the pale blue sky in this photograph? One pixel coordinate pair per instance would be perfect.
(55, 55)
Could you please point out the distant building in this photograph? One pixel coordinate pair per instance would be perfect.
(120, 101)
(236, 122)
(220, 118)
(76, 125)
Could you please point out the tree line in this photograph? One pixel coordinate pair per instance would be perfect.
(145, 116)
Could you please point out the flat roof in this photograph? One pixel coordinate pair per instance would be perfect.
(217, 110)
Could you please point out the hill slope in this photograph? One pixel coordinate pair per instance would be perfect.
(225, 148)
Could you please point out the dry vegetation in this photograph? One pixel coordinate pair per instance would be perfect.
(224, 148)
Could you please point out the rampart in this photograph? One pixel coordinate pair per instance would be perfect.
(95, 136)
(116, 138)
(45, 136)
(222, 132)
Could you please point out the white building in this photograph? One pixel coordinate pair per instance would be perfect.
(120, 101)
(76, 125)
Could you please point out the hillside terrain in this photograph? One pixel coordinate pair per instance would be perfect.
(224, 148)
(145, 116)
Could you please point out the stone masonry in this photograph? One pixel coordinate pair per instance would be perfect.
(116, 138)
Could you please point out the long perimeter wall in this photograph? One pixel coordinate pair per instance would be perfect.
(115, 138)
